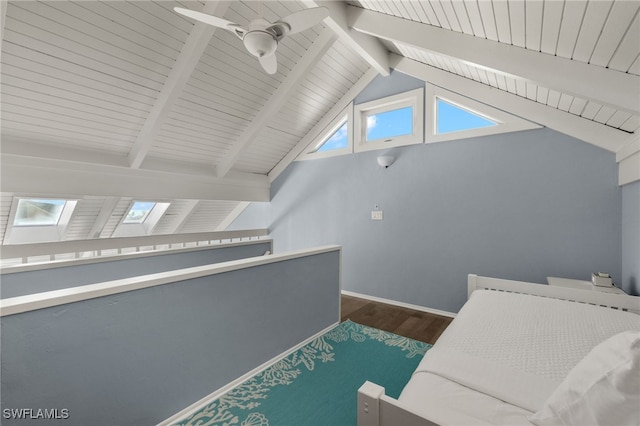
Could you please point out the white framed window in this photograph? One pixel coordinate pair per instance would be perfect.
(141, 218)
(388, 122)
(451, 116)
(335, 139)
(139, 212)
(38, 212)
(38, 220)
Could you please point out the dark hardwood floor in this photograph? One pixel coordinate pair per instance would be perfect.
(417, 325)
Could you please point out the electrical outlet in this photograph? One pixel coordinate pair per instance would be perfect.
(376, 215)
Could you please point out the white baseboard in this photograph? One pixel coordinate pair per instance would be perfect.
(401, 304)
(229, 386)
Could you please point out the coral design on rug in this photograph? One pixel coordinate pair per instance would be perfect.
(247, 396)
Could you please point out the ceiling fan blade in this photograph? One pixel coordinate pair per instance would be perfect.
(307, 18)
(269, 63)
(208, 19)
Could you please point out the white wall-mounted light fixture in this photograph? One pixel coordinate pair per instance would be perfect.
(386, 160)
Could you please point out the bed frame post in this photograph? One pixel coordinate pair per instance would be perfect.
(369, 404)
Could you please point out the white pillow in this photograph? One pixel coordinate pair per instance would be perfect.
(602, 389)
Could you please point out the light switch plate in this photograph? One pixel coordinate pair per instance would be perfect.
(376, 215)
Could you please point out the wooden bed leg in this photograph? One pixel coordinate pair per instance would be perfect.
(369, 404)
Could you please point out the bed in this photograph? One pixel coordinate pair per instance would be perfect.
(520, 354)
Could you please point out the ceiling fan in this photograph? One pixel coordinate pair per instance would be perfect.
(262, 37)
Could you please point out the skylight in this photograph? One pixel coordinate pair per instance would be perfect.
(36, 212)
(338, 140)
(139, 212)
(388, 124)
(452, 118)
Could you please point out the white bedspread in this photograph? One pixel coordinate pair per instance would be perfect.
(518, 348)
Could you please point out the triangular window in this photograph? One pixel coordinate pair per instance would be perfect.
(335, 138)
(452, 118)
(338, 140)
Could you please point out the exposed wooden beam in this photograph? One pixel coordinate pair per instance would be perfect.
(628, 158)
(605, 86)
(189, 56)
(629, 169)
(232, 216)
(631, 147)
(368, 47)
(109, 204)
(25, 174)
(278, 99)
(589, 131)
(184, 217)
(323, 123)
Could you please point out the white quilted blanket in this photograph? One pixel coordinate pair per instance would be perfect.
(518, 348)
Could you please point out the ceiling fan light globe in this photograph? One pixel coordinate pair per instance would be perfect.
(260, 43)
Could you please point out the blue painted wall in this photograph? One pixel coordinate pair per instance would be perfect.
(137, 358)
(519, 206)
(523, 206)
(30, 282)
(631, 238)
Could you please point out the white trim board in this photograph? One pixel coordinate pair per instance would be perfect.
(62, 263)
(230, 386)
(32, 302)
(400, 304)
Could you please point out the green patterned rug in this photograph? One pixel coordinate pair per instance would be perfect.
(318, 384)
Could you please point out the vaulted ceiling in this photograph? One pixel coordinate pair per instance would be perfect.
(111, 101)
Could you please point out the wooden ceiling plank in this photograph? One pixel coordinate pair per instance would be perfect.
(279, 98)
(473, 13)
(86, 114)
(66, 83)
(27, 16)
(619, 19)
(488, 20)
(517, 20)
(440, 14)
(92, 26)
(3, 15)
(629, 49)
(533, 34)
(154, 37)
(592, 23)
(501, 13)
(613, 88)
(571, 22)
(551, 21)
(175, 83)
(618, 119)
(463, 16)
(32, 59)
(452, 17)
(99, 65)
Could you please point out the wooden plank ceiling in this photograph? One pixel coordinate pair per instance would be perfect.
(97, 94)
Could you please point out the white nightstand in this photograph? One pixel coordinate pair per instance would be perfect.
(583, 285)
